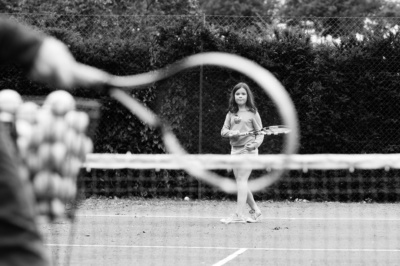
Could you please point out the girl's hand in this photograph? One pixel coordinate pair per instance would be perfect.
(234, 133)
(250, 146)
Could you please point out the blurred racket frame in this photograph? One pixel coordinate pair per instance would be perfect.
(118, 85)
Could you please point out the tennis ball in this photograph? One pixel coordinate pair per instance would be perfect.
(70, 189)
(71, 118)
(33, 162)
(77, 120)
(83, 122)
(237, 119)
(42, 184)
(66, 170)
(77, 145)
(71, 167)
(58, 155)
(47, 185)
(10, 100)
(24, 130)
(43, 207)
(56, 185)
(57, 208)
(23, 147)
(87, 147)
(45, 120)
(27, 112)
(187, 198)
(60, 102)
(38, 137)
(59, 130)
(45, 154)
(44, 116)
(64, 193)
(69, 139)
(76, 166)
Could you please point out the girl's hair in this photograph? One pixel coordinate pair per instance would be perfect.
(233, 107)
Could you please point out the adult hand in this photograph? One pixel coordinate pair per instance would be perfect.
(54, 64)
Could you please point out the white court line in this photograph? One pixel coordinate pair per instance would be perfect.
(230, 257)
(231, 248)
(264, 218)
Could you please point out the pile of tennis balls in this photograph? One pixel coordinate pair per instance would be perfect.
(52, 144)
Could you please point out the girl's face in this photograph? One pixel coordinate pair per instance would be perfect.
(241, 97)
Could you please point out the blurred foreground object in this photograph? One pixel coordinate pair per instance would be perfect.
(52, 144)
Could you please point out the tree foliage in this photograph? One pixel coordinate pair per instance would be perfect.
(102, 7)
(346, 95)
(239, 7)
(330, 8)
(389, 9)
(337, 17)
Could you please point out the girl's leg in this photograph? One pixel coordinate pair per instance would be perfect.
(252, 203)
(242, 176)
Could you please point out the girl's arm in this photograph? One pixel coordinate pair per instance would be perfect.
(257, 124)
(226, 128)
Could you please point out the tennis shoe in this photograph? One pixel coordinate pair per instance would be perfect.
(234, 218)
(254, 216)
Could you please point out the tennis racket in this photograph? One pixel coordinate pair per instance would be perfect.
(271, 130)
(119, 86)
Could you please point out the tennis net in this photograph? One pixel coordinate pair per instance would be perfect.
(326, 209)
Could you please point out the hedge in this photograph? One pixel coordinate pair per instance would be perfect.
(345, 94)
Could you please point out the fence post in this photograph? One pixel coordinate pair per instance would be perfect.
(199, 189)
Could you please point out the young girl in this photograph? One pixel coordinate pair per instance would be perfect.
(242, 117)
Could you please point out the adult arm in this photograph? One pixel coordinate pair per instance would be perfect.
(45, 59)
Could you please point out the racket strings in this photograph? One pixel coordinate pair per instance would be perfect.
(261, 76)
(116, 86)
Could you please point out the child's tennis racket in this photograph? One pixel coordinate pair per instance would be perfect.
(271, 130)
(116, 85)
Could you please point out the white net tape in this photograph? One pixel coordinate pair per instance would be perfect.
(213, 161)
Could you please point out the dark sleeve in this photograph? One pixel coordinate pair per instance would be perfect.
(20, 240)
(18, 44)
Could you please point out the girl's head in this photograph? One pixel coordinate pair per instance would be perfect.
(239, 93)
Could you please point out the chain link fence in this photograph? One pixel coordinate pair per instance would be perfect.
(210, 91)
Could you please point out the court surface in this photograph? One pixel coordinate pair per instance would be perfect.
(174, 232)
